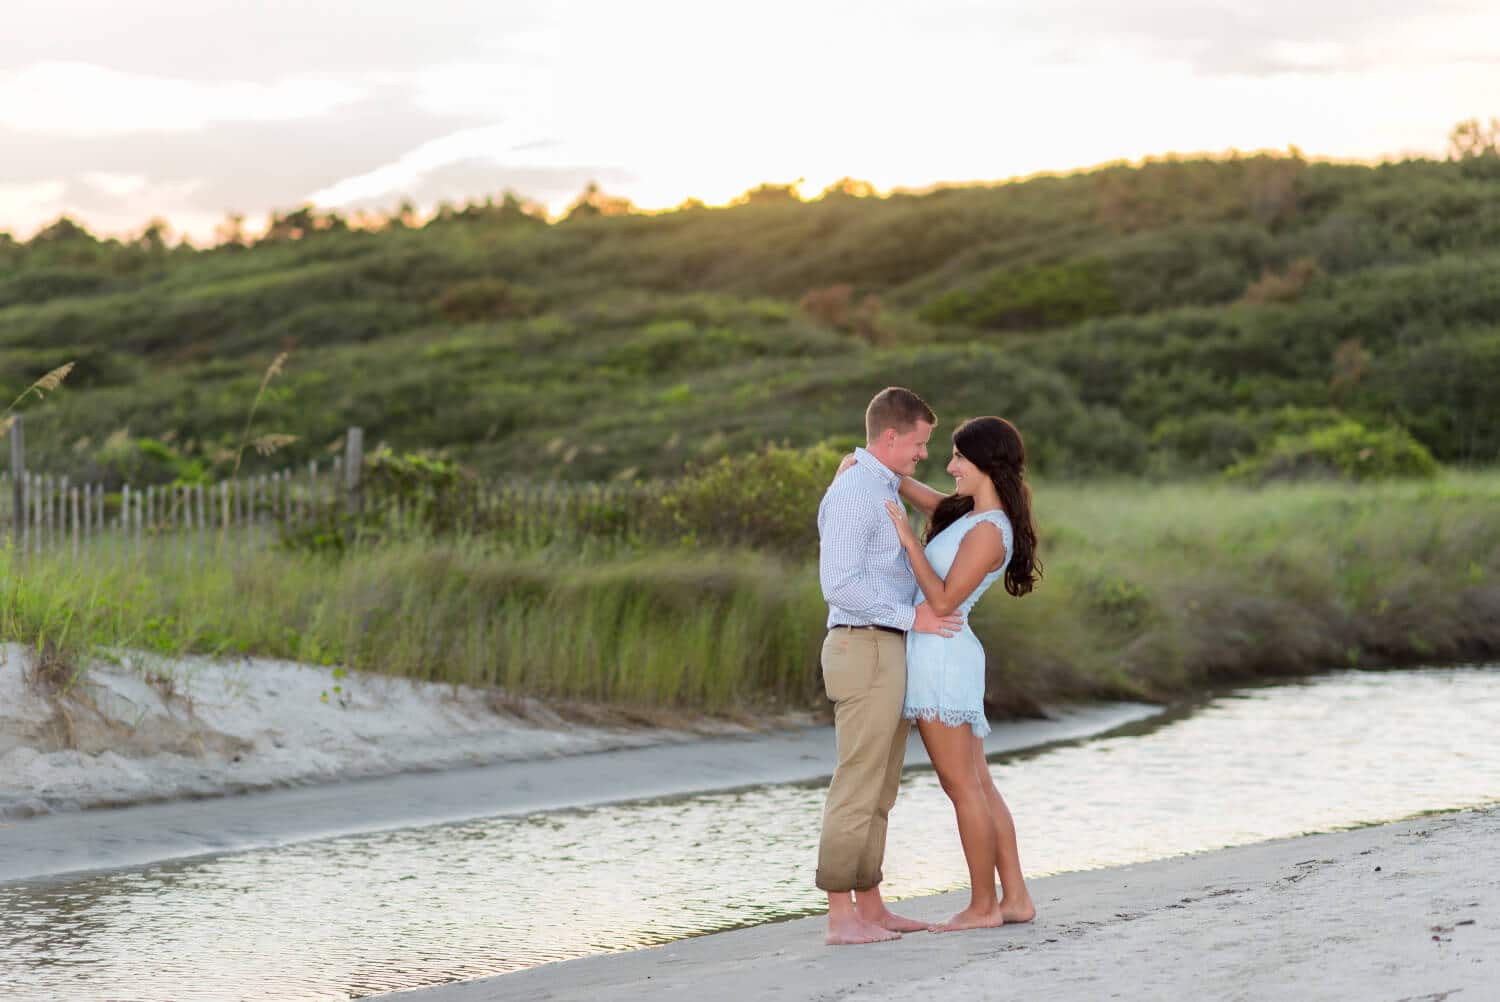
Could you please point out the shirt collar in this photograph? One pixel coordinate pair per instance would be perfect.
(875, 466)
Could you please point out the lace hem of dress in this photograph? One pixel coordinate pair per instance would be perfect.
(950, 718)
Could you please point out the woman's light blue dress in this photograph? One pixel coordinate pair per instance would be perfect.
(945, 675)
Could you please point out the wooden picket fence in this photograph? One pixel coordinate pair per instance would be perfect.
(44, 513)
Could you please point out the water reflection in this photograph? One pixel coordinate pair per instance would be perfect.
(364, 914)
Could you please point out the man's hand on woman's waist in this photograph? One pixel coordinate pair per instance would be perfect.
(928, 621)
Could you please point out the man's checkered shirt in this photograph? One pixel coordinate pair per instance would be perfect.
(864, 571)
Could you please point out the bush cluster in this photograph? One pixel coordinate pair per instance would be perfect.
(1128, 318)
(765, 500)
(1345, 450)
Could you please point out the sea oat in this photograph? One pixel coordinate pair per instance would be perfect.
(43, 386)
(53, 379)
(272, 371)
(268, 444)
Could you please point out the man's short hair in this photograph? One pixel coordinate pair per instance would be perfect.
(898, 408)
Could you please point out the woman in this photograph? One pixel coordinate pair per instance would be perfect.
(983, 530)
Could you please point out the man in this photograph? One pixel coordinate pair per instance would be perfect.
(871, 592)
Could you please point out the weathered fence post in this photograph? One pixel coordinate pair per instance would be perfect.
(200, 524)
(125, 523)
(310, 510)
(140, 525)
(73, 518)
(354, 459)
(18, 478)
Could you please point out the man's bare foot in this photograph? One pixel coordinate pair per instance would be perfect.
(854, 930)
(900, 923)
(969, 918)
(1017, 911)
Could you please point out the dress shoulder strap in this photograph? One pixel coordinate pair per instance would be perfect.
(1002, 520)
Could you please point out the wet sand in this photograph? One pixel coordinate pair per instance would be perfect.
(1400, 912)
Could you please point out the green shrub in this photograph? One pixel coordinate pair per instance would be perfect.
(1202, 442)
(1211, 441)
(767, 500)
(1444, 391)
(321, 324)
(1347, 449)
(1028, 298)
(1117, 600)
(486, 299)
(41, 284)
(1195, 263)
(1283, 287)
(678, 335)
(401, 494)
(1153, 396)
(141, 461)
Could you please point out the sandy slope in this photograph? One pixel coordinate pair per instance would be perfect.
(149, 728)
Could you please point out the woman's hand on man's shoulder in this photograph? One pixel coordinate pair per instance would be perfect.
(848, 461)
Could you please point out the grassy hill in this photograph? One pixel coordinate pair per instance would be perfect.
(1168, 318)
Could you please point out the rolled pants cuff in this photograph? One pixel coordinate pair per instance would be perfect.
(839, 883)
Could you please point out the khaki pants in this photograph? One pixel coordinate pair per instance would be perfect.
(864, 673)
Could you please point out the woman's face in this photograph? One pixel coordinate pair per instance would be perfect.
(966, 476)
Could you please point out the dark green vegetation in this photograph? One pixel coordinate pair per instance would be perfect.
(1177, 317)
(1261, 316)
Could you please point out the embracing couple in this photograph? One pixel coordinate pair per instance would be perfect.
(899, 650)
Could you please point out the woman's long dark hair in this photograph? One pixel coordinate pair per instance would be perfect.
(994, 445)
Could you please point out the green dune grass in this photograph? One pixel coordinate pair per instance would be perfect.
(1150, 592)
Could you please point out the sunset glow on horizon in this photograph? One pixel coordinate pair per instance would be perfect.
(359, 107)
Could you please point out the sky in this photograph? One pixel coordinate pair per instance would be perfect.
(188, 110)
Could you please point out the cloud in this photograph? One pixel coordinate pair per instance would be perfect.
(1267, 38)
(237, 105)
(218, 40)
(251, 162)
(77, 99)
(493, 144)
(116, 183)
(520, 82)
(520, 93)
(466, 180)
(29, 203)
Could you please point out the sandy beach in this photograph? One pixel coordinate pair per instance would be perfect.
(1400, 912)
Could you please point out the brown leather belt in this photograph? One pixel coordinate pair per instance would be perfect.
(872, 626)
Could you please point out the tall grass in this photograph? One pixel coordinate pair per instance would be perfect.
(1150, 591)
(717, 631)
(1157, 590)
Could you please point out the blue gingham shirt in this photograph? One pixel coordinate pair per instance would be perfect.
(864, 571)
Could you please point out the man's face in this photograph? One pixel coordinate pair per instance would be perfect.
(910, 449)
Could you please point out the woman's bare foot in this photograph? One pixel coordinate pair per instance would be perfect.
(971, 918)
(1018, 911)
(853, 930)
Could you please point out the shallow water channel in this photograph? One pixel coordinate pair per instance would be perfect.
(363, 914)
